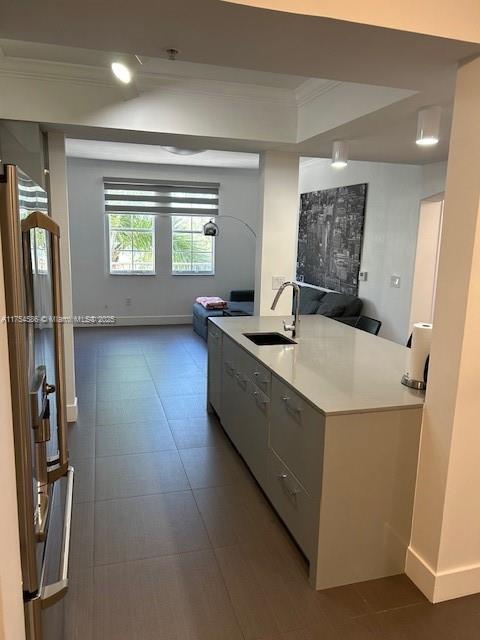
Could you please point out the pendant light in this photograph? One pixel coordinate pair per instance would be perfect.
(428, 126)
(340, 154)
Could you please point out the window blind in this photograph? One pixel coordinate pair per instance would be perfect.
(31, 197)
(142, 196)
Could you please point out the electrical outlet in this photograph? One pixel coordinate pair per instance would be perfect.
(363, 276)
(277, 281)
(395, 282)
(128, 302)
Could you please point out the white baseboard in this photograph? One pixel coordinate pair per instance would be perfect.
(132, 321)
(72, 411)
(126, 321)
(442, 585)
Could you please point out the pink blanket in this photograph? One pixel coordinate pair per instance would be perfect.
(212, 302)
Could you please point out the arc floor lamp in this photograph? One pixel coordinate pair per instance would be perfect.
(211, 228)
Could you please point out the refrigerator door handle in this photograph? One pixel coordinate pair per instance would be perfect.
(50, 594)
(58, 466)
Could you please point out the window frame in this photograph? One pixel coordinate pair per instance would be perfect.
(152, 231)
(191, 233)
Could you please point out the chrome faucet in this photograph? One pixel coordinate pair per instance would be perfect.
(294, 325)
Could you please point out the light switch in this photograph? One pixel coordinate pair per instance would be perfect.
(277, 281)
(363, 276)
(395, 282)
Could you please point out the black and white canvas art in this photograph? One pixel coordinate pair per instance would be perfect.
(330, 234)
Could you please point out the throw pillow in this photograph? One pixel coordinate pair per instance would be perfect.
(309, 300)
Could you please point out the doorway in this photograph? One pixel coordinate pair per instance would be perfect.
(426, 259)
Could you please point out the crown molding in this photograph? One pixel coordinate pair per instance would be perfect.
(314, 88)
(85, 75)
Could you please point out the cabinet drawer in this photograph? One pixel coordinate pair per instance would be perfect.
(258, 374)
(298, 510)
(231, 354)
(297, 435)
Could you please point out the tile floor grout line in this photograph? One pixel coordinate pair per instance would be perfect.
(157, 557)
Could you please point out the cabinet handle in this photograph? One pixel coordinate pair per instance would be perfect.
(241, 380)
(283, 477)
(289, 405)
(259, 398)
(263, 383)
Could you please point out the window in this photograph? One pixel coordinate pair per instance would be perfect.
(131, 243)
(131, 206)
(31, 198)
(192, 252)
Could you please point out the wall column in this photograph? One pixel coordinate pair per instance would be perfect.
(277, 229)
(444, 554)
(59, 210)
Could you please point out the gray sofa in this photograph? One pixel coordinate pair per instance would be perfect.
(241, 304)
(340, 306)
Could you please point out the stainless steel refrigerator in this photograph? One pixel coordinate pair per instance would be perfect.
(31, 260)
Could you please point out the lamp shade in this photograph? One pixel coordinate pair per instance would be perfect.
(428, 126)
(339, 154)
(210, 229)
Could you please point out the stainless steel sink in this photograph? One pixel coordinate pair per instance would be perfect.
(263, 339)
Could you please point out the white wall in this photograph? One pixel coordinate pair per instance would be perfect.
(391, 221)
(277, 230)
(59, 211)
(160, 298)
(444, 554)
(433, 179)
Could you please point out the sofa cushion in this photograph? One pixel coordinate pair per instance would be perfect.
(335, 312)
(331, 301)
(310, 299)
(241, 307)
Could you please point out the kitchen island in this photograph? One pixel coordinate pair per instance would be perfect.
(329, 433)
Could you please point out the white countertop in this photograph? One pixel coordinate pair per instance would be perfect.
(335, 367)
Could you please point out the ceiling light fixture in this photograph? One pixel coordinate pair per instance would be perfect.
(178, 151)
(172, 53)
(340, 154)
(428, 126)
(122, 72)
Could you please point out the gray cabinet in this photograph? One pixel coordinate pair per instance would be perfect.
(215, 367)
(245, 406)
(343, 483)
(296, 435)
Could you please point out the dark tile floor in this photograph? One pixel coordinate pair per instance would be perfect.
(172, 540)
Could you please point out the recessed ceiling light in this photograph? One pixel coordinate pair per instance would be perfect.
(339, 154)
(428, 126)
(178, 151)
(122, 72)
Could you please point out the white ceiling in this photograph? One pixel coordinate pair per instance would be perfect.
(219, 33)
(154, 154)
(260, 53)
